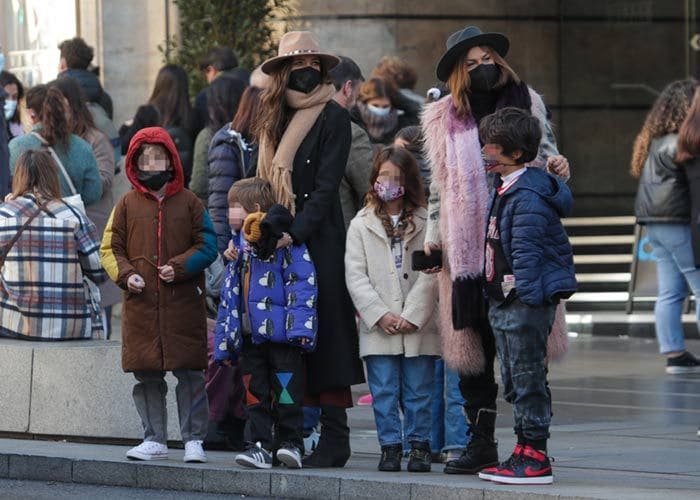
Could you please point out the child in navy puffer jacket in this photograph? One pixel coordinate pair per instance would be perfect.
(268, 313)
(528, 269)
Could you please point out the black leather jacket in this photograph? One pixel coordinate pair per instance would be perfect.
(663, 195)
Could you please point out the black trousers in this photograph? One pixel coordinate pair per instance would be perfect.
(273, 375)
(481, 390)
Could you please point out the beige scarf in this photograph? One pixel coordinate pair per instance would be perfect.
(276, 166)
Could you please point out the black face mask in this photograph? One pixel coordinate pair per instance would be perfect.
(304, 79)
(484, 77)
(154, 180)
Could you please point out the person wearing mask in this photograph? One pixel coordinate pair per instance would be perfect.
(14, 91)
(666, 163)
(480, 82)
(168, 107)
(83, 126)
(75, 59)
(398, 74)
(347, 79)
(219, 61)
(374, 107)
(223, 96)
(4, 139)
(49, 113)
(305, 139)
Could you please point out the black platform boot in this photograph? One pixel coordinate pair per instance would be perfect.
(482, 450)
(333, 449)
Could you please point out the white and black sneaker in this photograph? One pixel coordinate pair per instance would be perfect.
(685, 363)
(256, 457)
(290, 456)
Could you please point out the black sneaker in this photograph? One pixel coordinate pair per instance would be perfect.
(419, 458)
(685, 363)
(525, 466)
(391, 458)
(255, 456)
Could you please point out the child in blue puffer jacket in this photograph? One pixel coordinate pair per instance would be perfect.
(268, 315)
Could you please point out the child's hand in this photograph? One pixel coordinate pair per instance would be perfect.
(428, 248)
(284, 241)
(406, 326)
(231, 253)
(166, 273)
(135, 283)
(389, 323)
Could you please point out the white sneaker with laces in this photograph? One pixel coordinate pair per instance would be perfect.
(289, 456)
(311, 441)
(148, 450)
(194, 452)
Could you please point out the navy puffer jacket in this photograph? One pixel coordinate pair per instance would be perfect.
(229, 158)
(534, 240)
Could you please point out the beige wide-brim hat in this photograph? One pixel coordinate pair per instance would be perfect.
(298, 43)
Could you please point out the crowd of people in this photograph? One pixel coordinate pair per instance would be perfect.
(290, 223)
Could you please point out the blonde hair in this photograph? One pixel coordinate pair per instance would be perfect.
(459, 81)
(248, 192)
(37, 173)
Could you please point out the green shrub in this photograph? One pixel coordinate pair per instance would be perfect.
(244, 25)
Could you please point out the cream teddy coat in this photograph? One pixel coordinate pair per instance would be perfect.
(377, 287)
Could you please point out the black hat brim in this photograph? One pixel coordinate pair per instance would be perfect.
(497, 41)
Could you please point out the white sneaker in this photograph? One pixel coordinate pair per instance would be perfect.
(311, 442)
(194, 452)
(290, 456)
(148, 450)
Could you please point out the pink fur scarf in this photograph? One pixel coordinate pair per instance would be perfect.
(452, 147)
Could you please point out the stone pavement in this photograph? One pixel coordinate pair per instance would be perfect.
(622, 429)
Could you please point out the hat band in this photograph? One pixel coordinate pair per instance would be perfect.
(300, 51)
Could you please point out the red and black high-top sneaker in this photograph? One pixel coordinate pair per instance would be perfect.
(528, 467)
(490, 471)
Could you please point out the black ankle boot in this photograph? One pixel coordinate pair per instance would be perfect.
(391, 458)
(482, 450)
(419, 458)
(333, 449)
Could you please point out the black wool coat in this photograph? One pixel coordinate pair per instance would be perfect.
(319, 166)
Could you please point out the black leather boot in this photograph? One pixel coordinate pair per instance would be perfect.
(482, 450)
(333, 449)
(420, 458)
(391, 458)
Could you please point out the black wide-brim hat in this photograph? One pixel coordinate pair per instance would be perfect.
(461, 41)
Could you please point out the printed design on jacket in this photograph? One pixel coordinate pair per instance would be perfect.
(281, 302)
(284, 397)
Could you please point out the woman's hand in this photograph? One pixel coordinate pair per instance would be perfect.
(166, 273)
(559, 166)
(389, 323)
(135, 283)
(428, 248)
(231, 253)
(284, 241)
(9, 197)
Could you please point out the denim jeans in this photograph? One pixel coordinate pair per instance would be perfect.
(449, 424)
(408, 382)
(675, 271)
(521, 333)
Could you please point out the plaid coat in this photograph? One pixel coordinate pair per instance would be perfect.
(41, 284)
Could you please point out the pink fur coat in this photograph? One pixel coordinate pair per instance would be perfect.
(459, 200)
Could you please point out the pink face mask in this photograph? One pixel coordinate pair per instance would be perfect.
(388, 191)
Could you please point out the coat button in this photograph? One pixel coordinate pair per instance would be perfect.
(308, 162)
(405, 276)
(306, 195)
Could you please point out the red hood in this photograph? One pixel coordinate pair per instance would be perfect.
(154, 135)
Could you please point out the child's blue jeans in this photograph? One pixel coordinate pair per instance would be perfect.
(408, 382)
(449, 423)
(521, 333)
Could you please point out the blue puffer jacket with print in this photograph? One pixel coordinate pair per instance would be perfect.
(534, 240)
(281, 301)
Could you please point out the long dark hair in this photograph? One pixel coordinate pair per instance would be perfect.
(248, 111)
(414, 196)
(49, 105)
(223, 98)
(171, 97)
(81, 118)
(7, 78)
(689, 133)
(665, 117)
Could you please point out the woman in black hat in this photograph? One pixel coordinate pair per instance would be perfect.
(480, 82)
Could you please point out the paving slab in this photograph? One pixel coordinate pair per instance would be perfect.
(15, 385)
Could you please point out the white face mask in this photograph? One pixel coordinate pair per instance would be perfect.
(376, 110)
(10, 108)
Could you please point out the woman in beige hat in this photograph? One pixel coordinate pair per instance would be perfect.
(304, 144)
